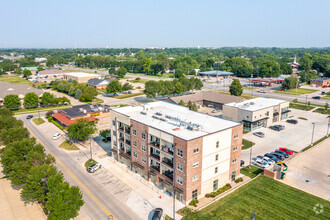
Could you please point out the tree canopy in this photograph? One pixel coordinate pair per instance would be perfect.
(236, 88)
(114, 86)
(12, 101)
(81, 130)
(31, 99)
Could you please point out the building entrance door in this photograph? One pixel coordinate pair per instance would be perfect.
(233, 176)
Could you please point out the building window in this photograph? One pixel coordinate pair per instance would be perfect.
(179, 180)
(236, 136)
(215, 185)
(180, 153)
(234, 161)
(143, 148)
(143, 136)
(134, 132)
(114, 133)
(216, 170)
(180, 166)
(144, 159)
(235, 149)
(134, 154)
(114, 122)
(217, 145)
(196, 150)
(267, 113)
(195, 164)
(195, 178)
(194, 194)
(115, 143)
(216, 157)
(134, 143)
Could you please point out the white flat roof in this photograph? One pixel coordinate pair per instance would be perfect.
(176, 120)
(256, 103)
(80, 74)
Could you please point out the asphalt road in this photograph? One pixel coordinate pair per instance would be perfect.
(98, 205)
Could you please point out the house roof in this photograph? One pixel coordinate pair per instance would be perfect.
(17, 89)
(208, 96)
(81, 74)
(257, 103)
(81, 110)
(67, 121)
(96, 82)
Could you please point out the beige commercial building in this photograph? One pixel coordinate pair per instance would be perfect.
(80, 77)
(256, 113)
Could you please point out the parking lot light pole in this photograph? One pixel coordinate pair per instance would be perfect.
(306, 104)
(312, 134)
(250, 155)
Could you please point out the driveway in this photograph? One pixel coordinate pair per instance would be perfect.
(295, 137)
(59, 94)
(310, 171)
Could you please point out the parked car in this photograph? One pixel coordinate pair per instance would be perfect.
(277, 127)
(292, 121)
(94, 167)
(268, 160)
(56, 136)
(316, 97)
(157, 214)
(273, 157)
(286, 150)
(214, 110)
(261, 91)
(259, 134)
(283, 153)
(260, 164)
(29, 116)
(278, 155)
(322, 93)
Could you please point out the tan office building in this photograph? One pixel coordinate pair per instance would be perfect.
(80, 77)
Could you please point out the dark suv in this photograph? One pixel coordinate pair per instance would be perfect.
(292, 121)
(157, 214)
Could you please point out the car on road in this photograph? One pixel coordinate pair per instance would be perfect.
(29, 116)
(322, 93)
(259, 134)
(268, 160)
(286, 150)
(283, 153)
(157, 215)
(292, 121)
(279, 155)
(261, 91)
(94, 167)
(56, 136)
(316, 97)
(272, 157)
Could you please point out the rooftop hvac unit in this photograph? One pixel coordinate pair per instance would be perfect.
(252, 103)
(143, 113)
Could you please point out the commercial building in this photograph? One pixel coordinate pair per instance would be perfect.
(176, 148)
(80, 77)
(209, 99)
(321, 82)
(65, 117)
(256, 113)
(51, 73)
(215, 73)
(98, 83)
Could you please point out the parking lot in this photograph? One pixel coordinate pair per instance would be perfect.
(295, 137)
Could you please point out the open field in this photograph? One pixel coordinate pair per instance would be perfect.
(300, 91)
(15, 80)
(269, 198)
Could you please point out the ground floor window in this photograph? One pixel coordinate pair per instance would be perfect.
(233, 176)
(284, 116)
(194, 194)
(251, 126)
(179, 196)
(215, 185)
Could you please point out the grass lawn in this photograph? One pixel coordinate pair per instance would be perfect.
(67, 145)
(269, 198)
(247, 144)
(15, 80)
(89, 162)
(251, 171)
(138, 81)
(245, 131)
(327, 97)
(38, 121)
(300, 91)
(125, 96)
(322, 111)
(300, 107)
(302, 118)
(41, 109)
(95, 101)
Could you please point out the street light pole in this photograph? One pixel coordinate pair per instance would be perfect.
(306, 104)
(90, 147)
(312, 134)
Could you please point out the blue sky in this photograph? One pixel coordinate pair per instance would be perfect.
(166, 23)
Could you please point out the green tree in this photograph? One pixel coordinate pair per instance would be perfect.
(47, 99)
(122, 72)
(86, 97)
(151, 89)
(18, 71)
(290, 83)
(112, 71)
(285, 68)
(236, 88)
(27, 73)
(239, 66)
(81, 130)
(147, 65)
(326, 106)
(78, 93)
(182, 103)
(127, 86)
(50, 63)
(39, 87)
(40, 68)
(178, 88)
(12, 101)
(114, 86)
(71, 91)
(194, 107)
(190, 104)
(104, 133)
(31, 99)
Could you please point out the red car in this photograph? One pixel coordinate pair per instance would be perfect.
(286, 150)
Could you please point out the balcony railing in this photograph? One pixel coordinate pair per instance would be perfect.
(127, 131)
(168, 162)
(122, 149)
(120, 128)
(155, 167)
(121, 138)
(167, 149)
(155, 144)
(168, 174)
(129, 152)
(155, 156)
(128, 142)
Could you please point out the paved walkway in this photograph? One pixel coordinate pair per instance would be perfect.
(11, 205)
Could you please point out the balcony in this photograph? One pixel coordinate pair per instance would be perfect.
(129, 152)
(128, 142)
(155, 156)
(120, 128)
(155, 144)
(168, 162)
(167, 149)
(121, 138)
(122, 149)
(156, 168)
(168, 174)
(128, 131)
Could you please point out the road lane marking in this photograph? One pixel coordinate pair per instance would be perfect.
(74, 177)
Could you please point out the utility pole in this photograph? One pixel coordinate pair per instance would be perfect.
(297, 85)
(90, 147)
(312, 134)
(252, 88)
(306, 104)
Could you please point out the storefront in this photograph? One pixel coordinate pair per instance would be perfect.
(251, 126)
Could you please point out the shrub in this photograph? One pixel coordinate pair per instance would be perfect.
(50, 119)
(295, 100)
(137, 78)
(49, 114)
(228, 185)
(240, 179)
(213, 194)
(193, 202)
(207, 195)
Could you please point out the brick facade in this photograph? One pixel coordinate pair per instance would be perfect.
(236, 154)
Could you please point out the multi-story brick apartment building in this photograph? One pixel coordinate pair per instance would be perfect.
(175, 147)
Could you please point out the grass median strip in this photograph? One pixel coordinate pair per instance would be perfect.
(322, 111)
(300, 107)
(269, 198)
(68, 145)
(41, 109)
(300, 91)
(38, 121)
(90, 162)
(246, 144)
